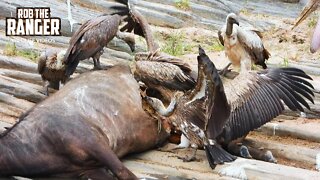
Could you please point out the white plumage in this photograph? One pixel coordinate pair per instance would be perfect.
(242, 46)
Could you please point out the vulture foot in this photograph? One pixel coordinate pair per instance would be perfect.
(97, 67)
(190, 158)
(251, 152)
(153, 54)
(225, 70)
(244, 152)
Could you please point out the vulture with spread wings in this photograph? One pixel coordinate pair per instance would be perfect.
(254, 98)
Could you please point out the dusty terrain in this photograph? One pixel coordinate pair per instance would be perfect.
(287, 47)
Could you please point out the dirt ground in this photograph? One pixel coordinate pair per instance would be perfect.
(286, 47)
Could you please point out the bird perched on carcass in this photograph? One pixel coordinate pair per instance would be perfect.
(310, 7)
(90, 39)
(160, 72)
(253, 98)
(201, 112)
(242, 46)
(52, 69)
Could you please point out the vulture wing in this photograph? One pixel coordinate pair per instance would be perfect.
(164, 73)
(136, 22)
(87, 28)
(90, 38)
(252, 43)
(257, 98)
(42, 63)
(220, 37)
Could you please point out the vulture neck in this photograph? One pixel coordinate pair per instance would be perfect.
(152, 45)
(229, 28)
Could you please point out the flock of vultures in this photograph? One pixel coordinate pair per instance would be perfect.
(98, 117)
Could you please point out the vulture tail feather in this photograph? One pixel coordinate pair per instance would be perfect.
(217, 155)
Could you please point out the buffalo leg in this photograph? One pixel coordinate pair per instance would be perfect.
(108, 158)
(97, 174)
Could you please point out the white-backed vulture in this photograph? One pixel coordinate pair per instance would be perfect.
(242, 46)
(90, 39)
(310, 7)
(52, 69)
(254, 98)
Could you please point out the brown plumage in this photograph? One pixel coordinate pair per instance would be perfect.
(202, 112)
(136, 22)
(258, 97)
(160, 72)
(242, 46)
(255, 98)
(90, 39)
(52, 69)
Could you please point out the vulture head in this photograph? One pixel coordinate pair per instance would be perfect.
(310, 7)
(231, 19)
(60, 58)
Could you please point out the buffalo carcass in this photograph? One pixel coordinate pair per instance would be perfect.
(81, 130)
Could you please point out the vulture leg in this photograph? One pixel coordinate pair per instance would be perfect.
(239, 150)
(190, 158)
(225, 70)
(128, 38)
(46, 87)
(184, 143)
(262, 154)
(153, 54)
(96, 60)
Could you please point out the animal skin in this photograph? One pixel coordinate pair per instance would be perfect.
(81, 132)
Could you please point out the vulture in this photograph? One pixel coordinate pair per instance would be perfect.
(52, 69)
(242, 46)
(253, 99)
(160, 72)
(90, 39)
(310, 7)
(163, 75)
(135, 22)
(201, 112)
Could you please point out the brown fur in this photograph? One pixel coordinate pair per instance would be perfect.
(81, 132)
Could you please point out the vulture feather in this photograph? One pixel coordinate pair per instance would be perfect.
(258, 97)
(52, 69)
(90, 39)
(242, 46)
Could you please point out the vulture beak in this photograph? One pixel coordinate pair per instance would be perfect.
(310, 7)
(236, 22)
